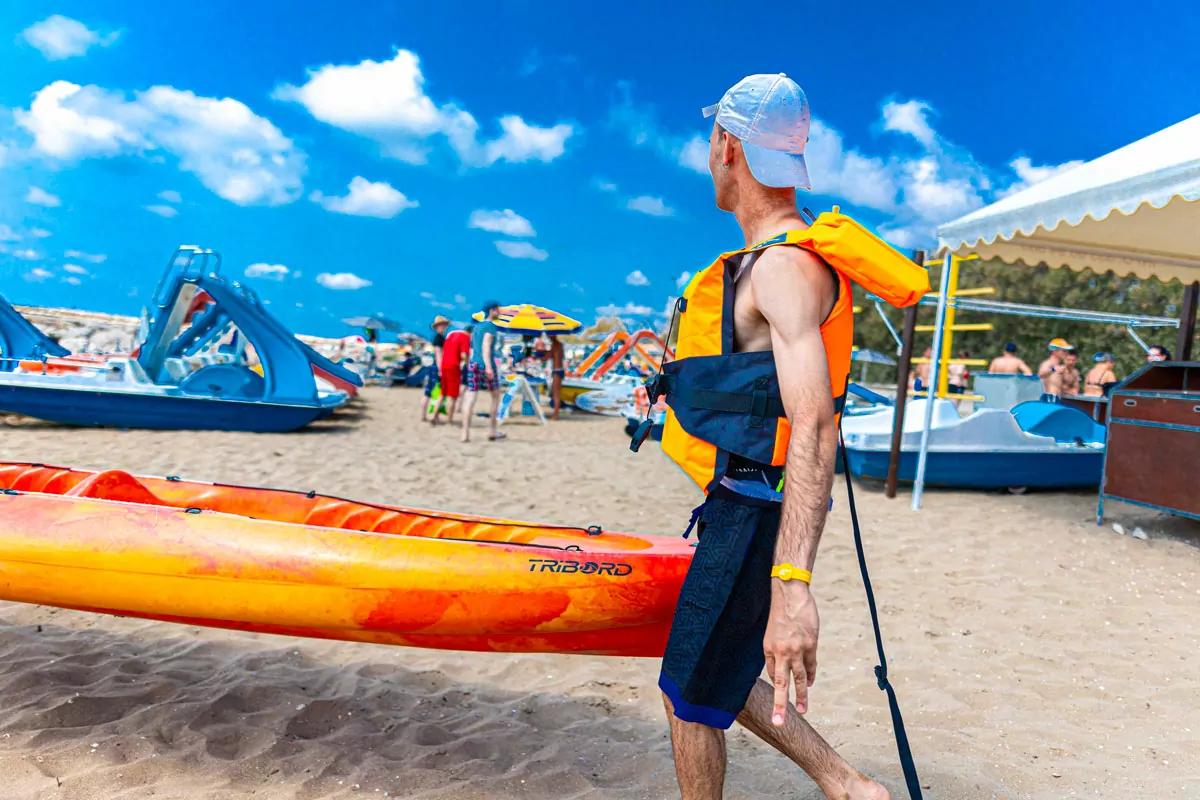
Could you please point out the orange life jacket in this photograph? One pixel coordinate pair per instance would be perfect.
(722, 402)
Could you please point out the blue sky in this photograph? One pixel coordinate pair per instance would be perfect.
(420, 158)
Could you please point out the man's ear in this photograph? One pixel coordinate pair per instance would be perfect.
(728, 145)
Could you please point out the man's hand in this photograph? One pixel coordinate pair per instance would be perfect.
(791, 644)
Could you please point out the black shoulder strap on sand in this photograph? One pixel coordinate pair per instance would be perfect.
(906, 759)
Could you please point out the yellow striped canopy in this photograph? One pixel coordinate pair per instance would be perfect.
(530, 319)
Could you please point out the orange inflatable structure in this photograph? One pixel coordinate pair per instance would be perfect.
(630, 342)
(633, 343)
(305, 564)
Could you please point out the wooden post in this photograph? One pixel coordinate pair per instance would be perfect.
(907, 336)
(1187, 322)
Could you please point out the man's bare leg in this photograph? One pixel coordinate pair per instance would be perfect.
(802, 744)
(495, 413)
(699, 757)
(468, 410)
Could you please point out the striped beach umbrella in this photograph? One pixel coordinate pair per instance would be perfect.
(532, 320)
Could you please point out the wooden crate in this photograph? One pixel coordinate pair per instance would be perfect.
(1152, 456)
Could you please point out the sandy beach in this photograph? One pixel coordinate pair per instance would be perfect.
(1036, 654)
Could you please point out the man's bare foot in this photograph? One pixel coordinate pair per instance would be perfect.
(856, 786)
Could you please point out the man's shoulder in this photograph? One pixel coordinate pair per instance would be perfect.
(790, 262)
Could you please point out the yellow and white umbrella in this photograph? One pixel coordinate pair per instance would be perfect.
(532, 320)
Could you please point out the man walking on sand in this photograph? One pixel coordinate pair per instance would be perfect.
(483, 370)
(746, 601)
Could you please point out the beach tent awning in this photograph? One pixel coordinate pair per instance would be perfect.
(1133, 211)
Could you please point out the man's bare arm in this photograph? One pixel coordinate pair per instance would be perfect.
(793, 291)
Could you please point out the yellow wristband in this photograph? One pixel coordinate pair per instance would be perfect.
(786, 572)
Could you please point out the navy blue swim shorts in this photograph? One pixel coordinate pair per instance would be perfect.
(715, 650)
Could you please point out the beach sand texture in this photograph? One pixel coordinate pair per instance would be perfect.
(1036, 655)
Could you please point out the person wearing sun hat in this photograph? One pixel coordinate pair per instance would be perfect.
(1053, 370)
(433, 377)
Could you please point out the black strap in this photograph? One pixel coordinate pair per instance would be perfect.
(906, 759)
(732, 402)
(757, 404)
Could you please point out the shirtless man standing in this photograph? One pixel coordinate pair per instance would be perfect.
(1053, 369)
(1007, 363)
(920, 374)
(781, 300)
(1070, 383)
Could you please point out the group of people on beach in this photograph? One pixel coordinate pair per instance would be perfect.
(1059, 371)
(472, 358)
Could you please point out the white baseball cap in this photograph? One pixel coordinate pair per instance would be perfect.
(769, 114)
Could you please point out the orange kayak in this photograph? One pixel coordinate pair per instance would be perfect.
(304, 564)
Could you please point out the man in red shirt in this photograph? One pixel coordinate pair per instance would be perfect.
(455, 350)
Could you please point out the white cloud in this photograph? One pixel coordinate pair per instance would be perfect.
(163, 211)
(170, 196)
(521, 250)
(683, 279)
(275, 272)
(654, 206)
(93, 258)
(366, 199)
(640, 124)
(848, 174)
(40, 233)
(461, 299)
(235, 153)
(74, 269)
(904, 237)
(59, 37)
(523, 142)
(342, 281)
(694, 154)
(604, 185)
(7, 234)
(909, 117)
(28, 254)
(386, 101)
(630, 309)
(935, 193)
(1028, 173)
(72, 280)
(507, 222)
(636, 278)
(428, 296)
(40, 197)
(38, 274)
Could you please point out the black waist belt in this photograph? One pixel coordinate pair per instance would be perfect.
(759, 403)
